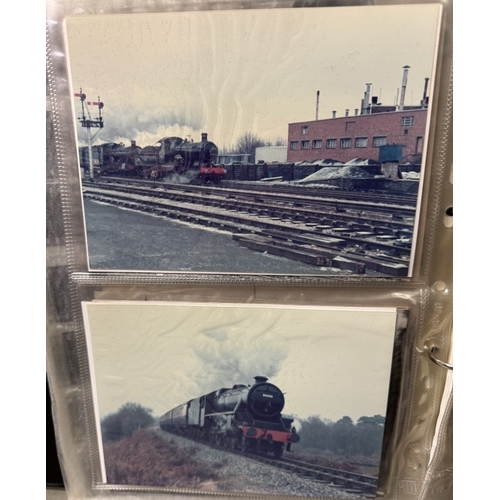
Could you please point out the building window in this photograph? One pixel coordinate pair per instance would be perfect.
(361, 142)
(305, 144)
(406, 121)
(379, 141)
(317, 144)
(345, 143)
(294, 145)
(331, 143)
(305, 130)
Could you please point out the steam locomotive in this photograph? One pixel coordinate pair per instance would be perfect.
(245, 417)
(169, 156)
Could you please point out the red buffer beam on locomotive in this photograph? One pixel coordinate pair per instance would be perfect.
(245, 417)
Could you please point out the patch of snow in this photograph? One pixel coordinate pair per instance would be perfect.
(351, 172)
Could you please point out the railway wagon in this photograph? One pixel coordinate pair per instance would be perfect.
(245, 417)
(256, 172)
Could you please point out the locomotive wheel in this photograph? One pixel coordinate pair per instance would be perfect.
(230, 443)
(227, 442)
(244, 445)
(219, 439)
(278, 449)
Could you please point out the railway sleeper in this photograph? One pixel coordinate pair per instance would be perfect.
(304, 238)
(353, 262)
(334, 259)
(290, 253)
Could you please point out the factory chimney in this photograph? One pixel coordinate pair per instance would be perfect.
(403, 88)
(365, 103)
(425, 98)
(317, 104)
(334, 114)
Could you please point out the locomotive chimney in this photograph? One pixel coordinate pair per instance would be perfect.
(260, 380)
(133, 144)
(204, 137)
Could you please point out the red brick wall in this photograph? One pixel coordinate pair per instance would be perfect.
(353, 127)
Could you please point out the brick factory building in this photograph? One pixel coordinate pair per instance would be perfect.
(361, 135)
(358, 136)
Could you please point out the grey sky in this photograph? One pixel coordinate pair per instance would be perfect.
(329, 362)
(228, 72)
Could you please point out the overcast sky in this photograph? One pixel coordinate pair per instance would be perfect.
(229, 72)
(329, 362)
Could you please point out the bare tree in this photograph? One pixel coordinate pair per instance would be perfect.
(248, 142)
(277, 141)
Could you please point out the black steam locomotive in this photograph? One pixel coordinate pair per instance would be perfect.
(245, 417)
(169, 156)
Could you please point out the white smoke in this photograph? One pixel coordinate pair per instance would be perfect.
(296, 423)
(179, 178)
(147, 126)
(228, 357)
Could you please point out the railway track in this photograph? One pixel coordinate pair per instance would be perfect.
(403, 199)
(338, 478)
(330, 200)
(338, 194)
(350, 481)
(353, 240)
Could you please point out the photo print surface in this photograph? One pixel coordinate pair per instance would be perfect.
(273, 141)
(251, 399)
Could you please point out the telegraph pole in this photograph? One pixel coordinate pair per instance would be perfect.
(87, 122)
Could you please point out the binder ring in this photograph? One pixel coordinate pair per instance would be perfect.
(439, 362)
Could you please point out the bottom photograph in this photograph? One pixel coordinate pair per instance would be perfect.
(244, 399)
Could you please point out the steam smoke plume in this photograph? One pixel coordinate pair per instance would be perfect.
(226, 358)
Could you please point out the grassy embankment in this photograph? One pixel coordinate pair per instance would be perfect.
(147, 459)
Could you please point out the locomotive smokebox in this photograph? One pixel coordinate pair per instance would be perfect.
(264, 399)
(204, 137)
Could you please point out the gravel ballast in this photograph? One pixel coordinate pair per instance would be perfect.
(240, 474)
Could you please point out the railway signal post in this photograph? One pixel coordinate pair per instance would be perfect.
(87, 122)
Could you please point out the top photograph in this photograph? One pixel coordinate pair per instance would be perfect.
(274, 141)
